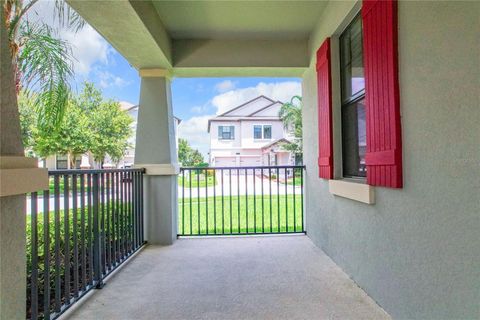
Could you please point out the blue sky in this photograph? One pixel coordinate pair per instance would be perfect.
(195, 100)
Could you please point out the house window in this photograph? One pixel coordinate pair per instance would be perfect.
(226, 132)
(62, 162)
(257, 132)
(262, 132)
(353, 100)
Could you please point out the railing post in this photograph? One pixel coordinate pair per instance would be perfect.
(97, 259)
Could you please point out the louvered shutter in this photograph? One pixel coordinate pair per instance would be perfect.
(325, 136)
(384, 144)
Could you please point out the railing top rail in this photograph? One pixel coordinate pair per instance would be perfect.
(246, 167)
(93, 171)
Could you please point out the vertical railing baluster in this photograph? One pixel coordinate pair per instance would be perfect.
(206, 198)
(75, 234)
(270, 191)
(198, 201)
(191, 208)
(183, 202)
(246, 200)
(119, 216)
(254, 202)
(102, 224)
(231, 199)
(278, 199)
(301, 191)
(286, 200)
(238, 199)
(294, 198)
(215, 200)
(108, 234)
(58, 289)
(82, 232)
(124, 214)
(46, 254)
(134, 210)
(263, 202)
(89, 229)
(141, 207)
(97, 255)
(66, 257)
(34, 254)
(223, 204)
(116, 221)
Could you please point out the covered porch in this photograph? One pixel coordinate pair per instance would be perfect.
(407, 233)
(257, 277)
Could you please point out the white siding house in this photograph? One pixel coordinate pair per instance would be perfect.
(251, 134)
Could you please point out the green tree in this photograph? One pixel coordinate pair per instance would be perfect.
(187, 156)
(291, 115)
(90, 124)
(111, 129)
(73, 137)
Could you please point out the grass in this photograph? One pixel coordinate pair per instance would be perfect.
(200, 182)
(241, 214)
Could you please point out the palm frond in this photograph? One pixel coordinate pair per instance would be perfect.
(45, 63)
(67, 17)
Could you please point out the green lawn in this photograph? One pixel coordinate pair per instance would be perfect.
(201, 181)
(237, 212)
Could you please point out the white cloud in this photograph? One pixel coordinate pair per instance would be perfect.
(282, 91)
(194, 130)
(225, 86)
(88, 46)
(109, 80)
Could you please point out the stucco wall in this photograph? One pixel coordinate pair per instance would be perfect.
(416, 251)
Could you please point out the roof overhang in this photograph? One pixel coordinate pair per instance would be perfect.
(208, 38)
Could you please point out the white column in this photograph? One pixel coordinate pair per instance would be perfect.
(155, 150)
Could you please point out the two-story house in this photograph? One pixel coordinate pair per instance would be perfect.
(251, 134)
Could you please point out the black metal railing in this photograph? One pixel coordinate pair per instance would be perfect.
(240, 200)
(78, 231)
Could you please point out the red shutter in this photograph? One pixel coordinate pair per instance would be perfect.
(325, 137)
(384, 144)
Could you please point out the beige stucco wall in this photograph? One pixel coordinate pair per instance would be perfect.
(417, 250)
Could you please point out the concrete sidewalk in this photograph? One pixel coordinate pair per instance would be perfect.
(269, 277)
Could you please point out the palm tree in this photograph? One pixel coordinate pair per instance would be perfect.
(291, 115)
(41, 61)
(30, 56)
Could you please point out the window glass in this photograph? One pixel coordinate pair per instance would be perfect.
(62, 162)
(353, 100)
(354, 139)
(267, 132)
(351, 61)
(226, 132)
(257, 132)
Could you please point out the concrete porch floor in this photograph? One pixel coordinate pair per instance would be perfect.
(270, 277)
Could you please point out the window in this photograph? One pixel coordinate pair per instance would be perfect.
(267, 132)
(62, 162)
(257, 132)
(226, 132)
(262, 132)
(353, 100)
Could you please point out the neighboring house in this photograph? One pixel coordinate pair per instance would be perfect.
(86, 161)
(251, 134)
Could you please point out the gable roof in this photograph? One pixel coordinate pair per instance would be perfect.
(225, 114)
(265, 108)
(278, 141)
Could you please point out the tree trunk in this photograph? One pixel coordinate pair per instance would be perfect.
(73, 159)
(12, 208)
